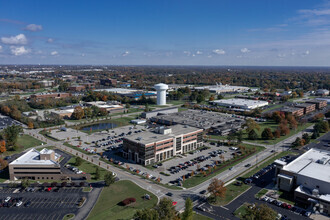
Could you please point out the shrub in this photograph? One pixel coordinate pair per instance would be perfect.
(128, 201)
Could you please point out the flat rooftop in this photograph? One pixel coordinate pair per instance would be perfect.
(152, 136)
(32, 157)
(315, 164)
(290, 109)
(240, 102)
(198, 118)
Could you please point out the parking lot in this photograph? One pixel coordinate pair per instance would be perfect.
(40, 204)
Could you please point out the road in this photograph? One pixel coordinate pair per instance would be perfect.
(158, 190)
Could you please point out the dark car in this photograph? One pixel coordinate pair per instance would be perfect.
(248, 165)
(202, 192)
(27, 204)
(169, 194)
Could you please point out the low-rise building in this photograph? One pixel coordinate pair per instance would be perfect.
(162, 143)
(77, 88)
(42, 96)
(298, 112)
(63, 114)
(240, 103)
(43, 165)
(308, 177)
(322, 92)
(110, 108)
(163, 111)
(318, 103)
(108, 82)
(308, 107)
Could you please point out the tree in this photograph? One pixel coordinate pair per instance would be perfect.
(298, 142)
(315, 134)
(252, 135)
(165, 209)
(97, 173)
(217, 188)
(260, 212)
(78, 113)
(307, 138)
(146, 214)
(30, 124)
(3, 146)
(11, 134)
(188, 211)
(251, 124)
(277, 133)
(277, 117)
(3, 164)
(267, 134)
(109, 178)
(25, 183)
(321, 126)
(78, 161)
(128, 105)
(239, 136)
(200, 98)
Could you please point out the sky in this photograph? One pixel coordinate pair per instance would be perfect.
(166, 32)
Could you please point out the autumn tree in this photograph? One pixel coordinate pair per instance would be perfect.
(277, 116)
(217, 188)
(3, 146)
(30, 124)
(78, 113)
(3, 163)
(277, 133)
(259, 212)
(251, 124)
(267, 134)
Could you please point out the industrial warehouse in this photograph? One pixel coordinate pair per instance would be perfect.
(240, 103)
(209, 121)
(162, 143)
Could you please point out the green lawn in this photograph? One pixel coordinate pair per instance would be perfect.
(88, 168)
(240, 212)
(24, 142)
(261, 193)
(199, 178)
(46, 134)
(197, 216)
(68, 217)
(108, 205)
(232, 192)
(273, 126)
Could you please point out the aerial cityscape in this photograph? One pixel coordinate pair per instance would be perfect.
(169, 110)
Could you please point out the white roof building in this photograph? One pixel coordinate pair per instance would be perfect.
(240, 103)
(33, 157)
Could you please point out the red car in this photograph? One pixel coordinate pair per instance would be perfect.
(49, 189)
(284, 205)
(174, 203)
(289, 206)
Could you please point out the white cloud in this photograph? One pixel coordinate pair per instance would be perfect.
(17, 51)
(126, 53)
(199, 52)
(209, 56)
(219, 51)
(188, 53)
(50, 40)
(54, 53)
(245, 50)
(33, 27)
(306, 53)
(0, 48)
(281, 55)
(18, 39)
(317, 12)
(83, 55)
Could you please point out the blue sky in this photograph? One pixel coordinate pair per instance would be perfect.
(166, 32)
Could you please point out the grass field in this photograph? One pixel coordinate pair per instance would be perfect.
(108, 205)
(261, 193)
(88, 168)
(199, 178)
(240, 212)
(24, 142)
(232, 192)
(197, 216)
(273, 126)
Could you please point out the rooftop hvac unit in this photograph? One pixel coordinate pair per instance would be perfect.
(315, 192)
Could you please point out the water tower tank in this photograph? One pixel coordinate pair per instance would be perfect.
(161, 93)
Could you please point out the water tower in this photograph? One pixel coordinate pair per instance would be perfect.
(161, 93)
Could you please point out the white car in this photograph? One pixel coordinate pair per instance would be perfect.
(7, 199)
(19, 203)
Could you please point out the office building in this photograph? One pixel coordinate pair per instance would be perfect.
(240, 103)
(308, 177)
(162, 143)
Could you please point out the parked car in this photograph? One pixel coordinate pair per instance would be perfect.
(202, 192)
(7, 199)
(19, 203)
(169, 194)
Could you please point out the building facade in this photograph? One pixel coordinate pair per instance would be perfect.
(319, 104)
(161, 144)
(298, 112)
(43, 165)
(308, 107)
(308, 178)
